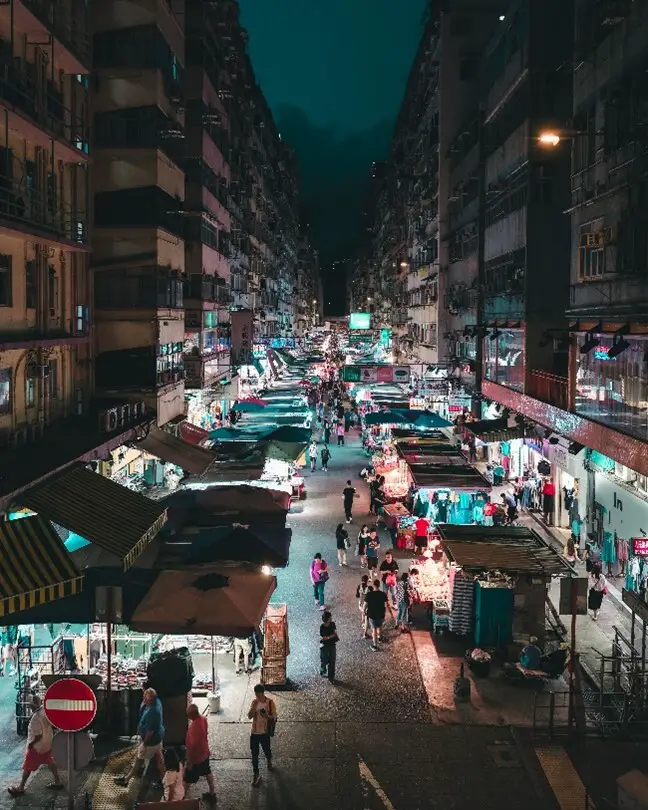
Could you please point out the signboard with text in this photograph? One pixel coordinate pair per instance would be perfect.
(372, 374)
(360, 320)
(640, 546)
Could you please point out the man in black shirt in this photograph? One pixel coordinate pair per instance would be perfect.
(388, 568)
(375, 609)
(348, 493)
(328, 640)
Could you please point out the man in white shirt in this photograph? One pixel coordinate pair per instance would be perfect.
(39, 749)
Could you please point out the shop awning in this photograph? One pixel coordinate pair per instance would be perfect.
(258, 367)
(176, 451)
(448, 476)
(285, 451)
(113, 517)
(35, 566)
(192, 434)
(494, 430)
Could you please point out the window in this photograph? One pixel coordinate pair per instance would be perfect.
(30, 285)
(81, 320)
(5, 390)
(52, 379)
(504, 357)
(5, 281)
(591, 252)
(52, 291)
(30, 391)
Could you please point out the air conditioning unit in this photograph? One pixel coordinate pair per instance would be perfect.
(18, 437)
(108, 420)
(123, 415)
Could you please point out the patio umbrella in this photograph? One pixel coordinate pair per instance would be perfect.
(428, 419)
(384, 418)
(247, 406)
(267, 546)
(210, 600)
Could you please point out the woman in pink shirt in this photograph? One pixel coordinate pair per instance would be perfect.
(319, 576)
(197, 746)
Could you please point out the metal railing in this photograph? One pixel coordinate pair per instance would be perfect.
(549, 388)
(69, 28)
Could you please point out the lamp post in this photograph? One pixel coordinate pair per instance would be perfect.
(481, 238)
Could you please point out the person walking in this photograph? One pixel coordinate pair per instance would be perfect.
(312, 455)
(361, 546)
(422, 528)
(348, 495)
(597, 585)
(325, 455)
(319, 577)
(151, 734)
(328, 651)
(389, 569)
(327, 432)
(375, 608)
(373, 547)
(263, 714)
(361, 591)
(339, 430)
(404, 599)
(548, 500)
(342, 542)
(242, 648)
(198, 753)
(40, 734)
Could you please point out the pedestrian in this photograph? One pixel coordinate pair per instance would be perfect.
(340, 410)
(151, 733)
(373, 547)
(263, 714)
(361, 546)
(510, 504)
(348, 495)
(422, 528)
(339, 430)
(198, 753)
(472, 450)
(489, 511)
(597, 585)
(312, 455)
(319, 577)
(328, 640)
(404, 598)
(327, 432)
(548, 500)
(39, 749)
(375, 608)
(569, 552)
(342, 542)
(388, 568)
(172, 781)
(361, 591)
(242, 648)
(325, 455)
(373, 491)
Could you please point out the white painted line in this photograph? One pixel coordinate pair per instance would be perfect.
(368, 778)
(54, 705)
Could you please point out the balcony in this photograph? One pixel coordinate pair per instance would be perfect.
(69, 334)
(549, 388)
(148, 207)
(206, 289)
(140, 128)
(139, 288)
(28, 210)
(199, 171)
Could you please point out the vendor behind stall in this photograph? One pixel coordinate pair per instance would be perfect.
(421, 538)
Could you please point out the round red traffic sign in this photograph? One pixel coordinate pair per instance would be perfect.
(70, 704)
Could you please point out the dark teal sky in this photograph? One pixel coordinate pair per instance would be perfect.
(334, 73)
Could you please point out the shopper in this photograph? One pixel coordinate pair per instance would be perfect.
(328, 640)
(319, 575)
(375, 608)
(489, 511)
(198, 753)
(548, 500)
(327, 432)
(388, 569)
(172, 781)
(342, 542)
(404, 597)
(361, 546)
(312, 455)
(597, 585)
(151, 734)
(422, 527)
(373, 547)
(242, 648)
(325, 455)
(361, 591)
(348, 495)
(39, 749)
(570, 552)
(510, 504)
(339, 430)
(263, 714)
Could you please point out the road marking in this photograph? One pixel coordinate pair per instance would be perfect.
(55, 705)
(368, 778)
(563, 778)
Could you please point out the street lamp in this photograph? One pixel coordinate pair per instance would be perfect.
(404, 265)
(549, 138)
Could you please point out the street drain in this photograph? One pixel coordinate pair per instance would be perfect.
(504, 755)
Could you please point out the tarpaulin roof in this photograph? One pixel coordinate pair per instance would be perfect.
(494, 430)
(269, 546)
(169, 448)
(289, 433)
(285, 451)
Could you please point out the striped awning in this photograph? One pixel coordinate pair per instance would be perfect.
(112, 517)
(35, 566)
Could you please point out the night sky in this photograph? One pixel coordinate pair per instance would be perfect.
(334, 74)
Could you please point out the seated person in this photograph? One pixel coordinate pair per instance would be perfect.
(531, 655)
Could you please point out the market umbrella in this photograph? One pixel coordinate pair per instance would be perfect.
(285, 451)
(247, 406)
(429, 419)
(288, 433)
(384, 418)
(210, 600)
(226, 434)
(269, 546)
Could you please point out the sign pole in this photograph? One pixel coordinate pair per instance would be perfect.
(70, 768)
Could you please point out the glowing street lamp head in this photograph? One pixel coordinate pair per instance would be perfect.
(549, 139)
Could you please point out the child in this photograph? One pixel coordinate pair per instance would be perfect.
(361, 590)
(172, 781)
(404, 597)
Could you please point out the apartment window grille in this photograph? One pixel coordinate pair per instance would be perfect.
(591, 253)
(6, 297)
(30, 285)
(53, 381)
(5, 390)
(52, 291)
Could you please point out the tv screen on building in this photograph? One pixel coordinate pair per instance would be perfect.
(360, 320)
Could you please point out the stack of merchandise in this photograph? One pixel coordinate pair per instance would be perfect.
(275, 646)
(431, 581)
(171, 674)
(126, 673)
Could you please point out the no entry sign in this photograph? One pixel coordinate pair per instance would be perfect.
(70, 704)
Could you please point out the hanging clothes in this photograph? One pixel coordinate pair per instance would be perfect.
(608, 552)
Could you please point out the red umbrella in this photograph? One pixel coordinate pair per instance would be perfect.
(254, 401)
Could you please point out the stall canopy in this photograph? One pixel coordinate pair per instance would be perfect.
(35, 567)
(385, 418)
(218, 601)
(428, 419)
(218, 505)
(285, 451)
(193, 459)
(113, 517)
(512, 549)
(221, 472)
(449, 476)
(288, 433)
(249, 406)
(267, 546)
(495, 430)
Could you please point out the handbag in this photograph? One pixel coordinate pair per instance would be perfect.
(272, 722)
(324, 575)
(390, 580)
